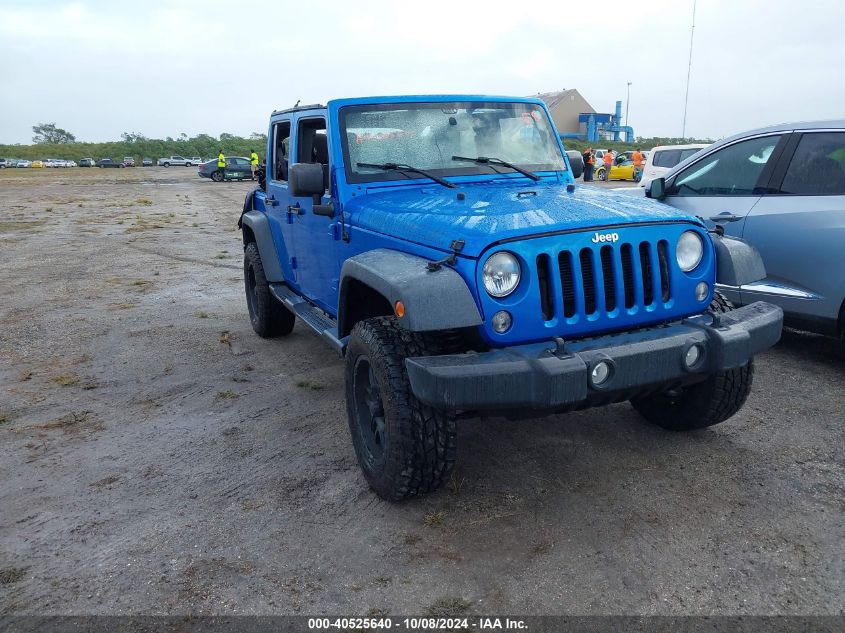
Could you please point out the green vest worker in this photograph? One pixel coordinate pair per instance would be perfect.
(253, 162)
(221, 160)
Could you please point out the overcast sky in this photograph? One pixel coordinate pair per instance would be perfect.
(98, 67)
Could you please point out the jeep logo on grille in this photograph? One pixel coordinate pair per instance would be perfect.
(605, 237)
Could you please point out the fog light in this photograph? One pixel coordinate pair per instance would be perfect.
(693, 355)
(502, 321)
(701, 290)
(600, 373)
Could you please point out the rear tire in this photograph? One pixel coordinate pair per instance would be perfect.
(602, 175)
(703, 404)
(217, 176)
(404, 447)
(269, 318)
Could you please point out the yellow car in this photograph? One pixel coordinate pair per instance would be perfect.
(620, 171)
(37, 163)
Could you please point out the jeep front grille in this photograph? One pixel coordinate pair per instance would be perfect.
(607, 279)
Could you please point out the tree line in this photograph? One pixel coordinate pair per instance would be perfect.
(51, 141)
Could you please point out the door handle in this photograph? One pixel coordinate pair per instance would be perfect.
(270, 202)
(294, 209)
(725, 217)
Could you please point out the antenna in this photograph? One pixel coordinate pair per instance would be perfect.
(296, 105)
(689, 70)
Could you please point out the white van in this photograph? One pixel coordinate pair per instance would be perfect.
(663, 157)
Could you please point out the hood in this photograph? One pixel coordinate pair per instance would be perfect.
(495, 211)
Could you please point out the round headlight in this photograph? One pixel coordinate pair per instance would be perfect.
(500, 274)
(689, 251)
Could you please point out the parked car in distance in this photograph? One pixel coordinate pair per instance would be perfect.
(664, 157)
(236, 167)
(782, 189)
(24, 163)
(87, 162)
(5, 162)
(147, 162)
(174, 160)
(620, 170)
(38, 164)
(108, 162)
(128, 161)
(196, 161)
(70, 163)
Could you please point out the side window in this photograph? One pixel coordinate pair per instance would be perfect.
(667, 158)
(312, 145)
(818, 166)
(731, 171)
(281, 150)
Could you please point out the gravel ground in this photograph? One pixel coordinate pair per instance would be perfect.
(157, 457)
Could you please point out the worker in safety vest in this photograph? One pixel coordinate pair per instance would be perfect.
(639, 160)
(221, 163)
(253, 162)
(608, 163)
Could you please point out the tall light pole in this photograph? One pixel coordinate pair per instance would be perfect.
(627, 103)
(689, 70)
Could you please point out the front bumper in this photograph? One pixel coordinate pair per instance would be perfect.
(556, 375)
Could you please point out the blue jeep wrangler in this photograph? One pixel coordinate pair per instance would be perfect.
(439, 244)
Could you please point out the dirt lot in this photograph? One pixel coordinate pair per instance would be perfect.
(157, 457)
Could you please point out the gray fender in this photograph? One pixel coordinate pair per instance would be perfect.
(260, 227)
(737, 262)
(438, 300)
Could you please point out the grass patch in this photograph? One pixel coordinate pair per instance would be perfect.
(106, 481)
(144, 202)
(448, 606)
(9, 575)
(66, 380)
(49, 209)
(5, 417)
(309, 384)
(7, 226)
(221, 256)
(226, 395)
(202, 315)
(434, 519)
(544, 547)
(225, 338)
(122, 306)
(382, 580)
(26, 374)
(69, 423)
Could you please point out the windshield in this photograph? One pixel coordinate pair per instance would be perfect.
(428, 135)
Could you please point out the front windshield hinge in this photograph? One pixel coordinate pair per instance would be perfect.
(457, 246)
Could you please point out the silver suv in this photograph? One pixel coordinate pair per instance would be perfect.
(781, 188)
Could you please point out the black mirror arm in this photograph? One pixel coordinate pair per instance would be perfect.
(318, 208)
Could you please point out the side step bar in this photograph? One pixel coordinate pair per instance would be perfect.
(313, 317)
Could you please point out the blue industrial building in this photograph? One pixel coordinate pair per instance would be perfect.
(574, 117)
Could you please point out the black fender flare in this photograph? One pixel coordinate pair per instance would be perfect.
(258, 224)
(433, 300)
(737, 262)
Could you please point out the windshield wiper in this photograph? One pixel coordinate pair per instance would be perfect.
(486, 160)
(414, 170)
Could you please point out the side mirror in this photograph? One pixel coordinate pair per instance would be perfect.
(306, 180)
(656, 189)
(576, 162)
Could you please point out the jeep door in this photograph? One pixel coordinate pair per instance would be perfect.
(278, 199)
(726, 183)
(315, 236)
(799, 229)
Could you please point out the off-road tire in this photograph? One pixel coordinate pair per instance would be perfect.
(703, 404)
(269, 317)
(417, 450)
